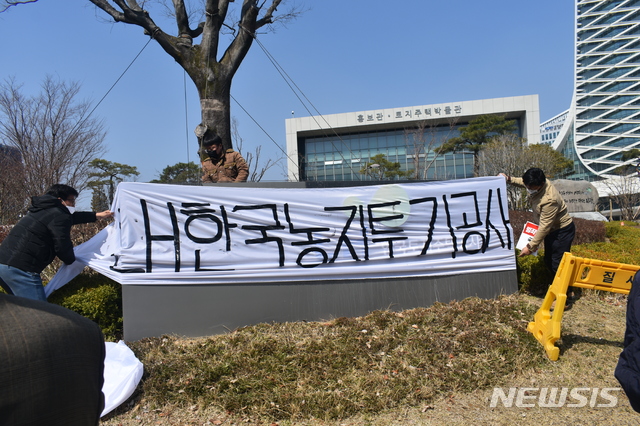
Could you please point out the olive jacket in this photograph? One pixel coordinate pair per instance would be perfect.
(549, 211)
(231, 167)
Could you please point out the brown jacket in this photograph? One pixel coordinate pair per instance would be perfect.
(549, 211)
(231, 167)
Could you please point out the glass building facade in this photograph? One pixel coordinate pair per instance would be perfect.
(604, 118)
(342, 157)
(340, 147)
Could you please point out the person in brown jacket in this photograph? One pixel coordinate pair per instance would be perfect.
(219, 165)
(555, 226)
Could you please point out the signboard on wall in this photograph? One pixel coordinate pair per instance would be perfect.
(169, 234)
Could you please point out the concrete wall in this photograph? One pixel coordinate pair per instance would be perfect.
(203, 310)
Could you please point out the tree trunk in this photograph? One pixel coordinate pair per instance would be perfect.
(216, 116)
(476, 163)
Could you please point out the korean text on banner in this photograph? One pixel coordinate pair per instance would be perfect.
(170, 234)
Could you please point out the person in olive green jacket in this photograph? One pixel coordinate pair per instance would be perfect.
(555, 226)
(220, 165)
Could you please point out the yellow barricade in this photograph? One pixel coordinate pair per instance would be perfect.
(576, 272)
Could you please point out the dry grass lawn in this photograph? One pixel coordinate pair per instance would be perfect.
(592, 335)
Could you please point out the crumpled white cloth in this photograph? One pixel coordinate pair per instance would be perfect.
(84, 253)
(122, 373)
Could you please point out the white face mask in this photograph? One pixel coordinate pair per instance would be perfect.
(71, 209)
(531, 191)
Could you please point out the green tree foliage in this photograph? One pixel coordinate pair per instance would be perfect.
(105, 179)
(554, 164)
(99, 200)
(95, 297)
(379, 168)
(476, 134)
(631, 156)
(180, 173)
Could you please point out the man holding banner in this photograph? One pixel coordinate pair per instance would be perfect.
(555, 226)
(40, 236)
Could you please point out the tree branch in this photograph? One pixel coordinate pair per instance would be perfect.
(240, 45)
(182, 20)
(6, 4)
(216, 13)
(268, 16)
(133, 14)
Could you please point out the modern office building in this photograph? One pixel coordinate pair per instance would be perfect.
(603, 120)
(336, 147)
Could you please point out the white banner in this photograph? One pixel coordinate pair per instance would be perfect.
(169, 234)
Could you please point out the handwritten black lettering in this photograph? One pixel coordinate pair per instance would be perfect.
(343, 235)
(432, 222)
(373, 220)
(150, 238)
(264, 228)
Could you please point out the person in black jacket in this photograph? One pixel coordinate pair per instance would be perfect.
(40, 236)
(628, 369)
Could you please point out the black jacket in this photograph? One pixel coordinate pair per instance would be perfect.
(43, 234)
(628, 369)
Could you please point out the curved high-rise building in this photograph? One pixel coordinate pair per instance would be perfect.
(604, 118)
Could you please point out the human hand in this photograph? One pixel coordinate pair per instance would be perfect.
(506, 177)
(525, 251)
(104, 215)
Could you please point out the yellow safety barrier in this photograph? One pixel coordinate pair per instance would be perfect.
(576, 272)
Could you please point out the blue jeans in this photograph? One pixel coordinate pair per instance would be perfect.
(21, 283)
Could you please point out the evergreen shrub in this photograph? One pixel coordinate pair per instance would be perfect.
(96, 297)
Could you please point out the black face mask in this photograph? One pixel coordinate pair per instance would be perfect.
(211, 153)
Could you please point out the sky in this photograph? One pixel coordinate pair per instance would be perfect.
(344, 56)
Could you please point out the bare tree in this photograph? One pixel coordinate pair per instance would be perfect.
(421, 142)
(12, 201)
(510, 154)
(506, 154)
(624, 194)
(6, 4)
(209, 67)
(543, 156)
(53, 134)
(257, 169)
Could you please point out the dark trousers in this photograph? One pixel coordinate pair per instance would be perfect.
(51, 365)
(556, 243)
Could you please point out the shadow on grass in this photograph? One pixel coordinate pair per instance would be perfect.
(569, 340)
